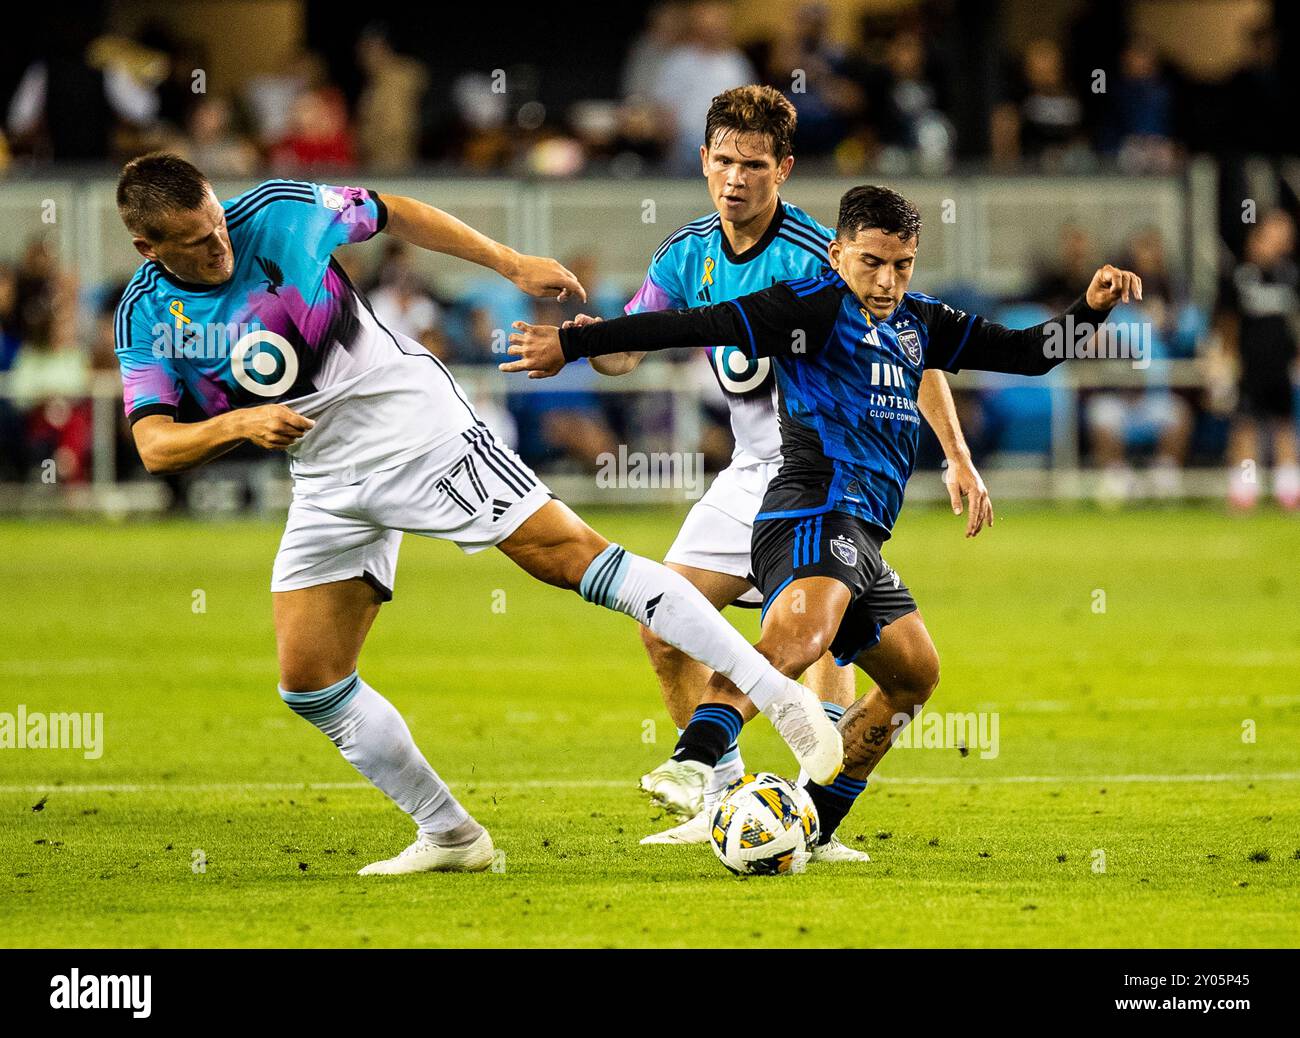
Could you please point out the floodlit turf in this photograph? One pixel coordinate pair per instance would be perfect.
(1123, 807)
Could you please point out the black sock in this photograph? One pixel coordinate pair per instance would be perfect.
(833, 803)
(712, 728)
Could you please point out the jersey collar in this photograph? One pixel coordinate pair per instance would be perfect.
(760, 246)
(186, 286)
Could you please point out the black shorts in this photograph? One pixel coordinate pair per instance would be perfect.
(1271, 397)
(845, 548)
(1265, 390)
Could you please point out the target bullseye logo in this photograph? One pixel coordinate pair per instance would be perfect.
(269, 371)
(738, 372)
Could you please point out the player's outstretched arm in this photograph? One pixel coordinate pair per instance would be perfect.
(986, 346)
(768, 323)
(168, 446)
(421, 224)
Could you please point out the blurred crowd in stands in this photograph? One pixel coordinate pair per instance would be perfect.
(885, 102)
(890, 98)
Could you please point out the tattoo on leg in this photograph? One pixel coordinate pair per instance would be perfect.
(868, 729)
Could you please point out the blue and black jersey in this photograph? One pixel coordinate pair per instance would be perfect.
(848, 382)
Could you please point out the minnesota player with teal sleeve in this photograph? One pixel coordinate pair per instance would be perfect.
(296, 294)
(697, 266)
(242, 328)
(286, 326)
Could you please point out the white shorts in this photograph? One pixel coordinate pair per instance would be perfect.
(719, 528)
(474, 491)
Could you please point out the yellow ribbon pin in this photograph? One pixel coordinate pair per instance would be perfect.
(708, 271)
(177, 310)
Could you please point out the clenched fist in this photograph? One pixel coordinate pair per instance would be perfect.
(273, 426)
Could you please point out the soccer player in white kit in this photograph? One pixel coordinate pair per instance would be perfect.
(240, 327)
(754, 239)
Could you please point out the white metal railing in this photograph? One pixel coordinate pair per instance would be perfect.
(686, 393)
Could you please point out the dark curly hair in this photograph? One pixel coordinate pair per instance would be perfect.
(870, 207)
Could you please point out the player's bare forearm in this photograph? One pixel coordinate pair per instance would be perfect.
(430, 228)
(962, 478)
(940, 413)
(167, 446)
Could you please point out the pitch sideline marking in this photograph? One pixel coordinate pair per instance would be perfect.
(948, 780)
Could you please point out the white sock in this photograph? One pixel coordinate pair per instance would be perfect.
(724, 775)
(669, 605)
(1286, 483)
(730, 766)
(375, 740)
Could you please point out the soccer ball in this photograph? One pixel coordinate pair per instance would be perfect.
(763, 826)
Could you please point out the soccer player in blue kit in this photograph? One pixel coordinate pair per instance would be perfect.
(850, 349)
(753, 239)
(241, 327)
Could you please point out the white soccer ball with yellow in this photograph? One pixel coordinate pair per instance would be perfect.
(763, 826)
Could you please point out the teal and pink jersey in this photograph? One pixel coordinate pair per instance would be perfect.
(288, 327)
(696, 266)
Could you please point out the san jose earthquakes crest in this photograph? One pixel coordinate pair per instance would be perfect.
(910, 340)
(844, 550)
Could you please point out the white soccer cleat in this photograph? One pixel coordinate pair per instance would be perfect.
(834, 851)
(693, 830)
(812, 736)
(426, 856)
(678, 786)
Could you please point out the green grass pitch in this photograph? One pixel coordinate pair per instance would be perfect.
(1128, 803)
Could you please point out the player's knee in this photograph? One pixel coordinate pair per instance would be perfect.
(915, 684)
(794, 656)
